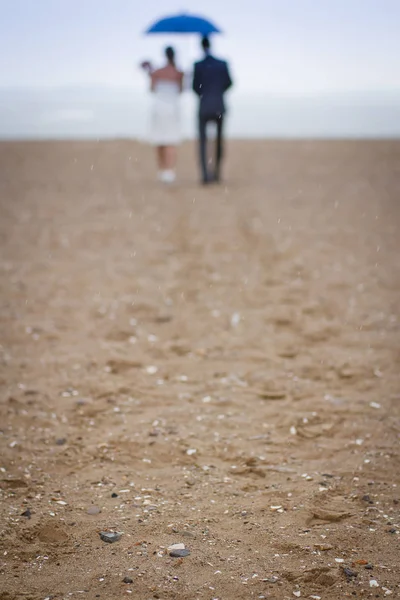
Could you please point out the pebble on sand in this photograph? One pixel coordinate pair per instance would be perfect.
(349, 573)
(110, 536)
(61, 441)
(178, 551)
(323, 547)
(93, 510)
(235, 319)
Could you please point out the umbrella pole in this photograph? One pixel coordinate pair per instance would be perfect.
(188, 86)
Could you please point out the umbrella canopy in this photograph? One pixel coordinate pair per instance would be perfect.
(183, 23)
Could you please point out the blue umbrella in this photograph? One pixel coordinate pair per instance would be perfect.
(184, 23)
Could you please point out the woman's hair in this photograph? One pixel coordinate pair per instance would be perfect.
(170, 54)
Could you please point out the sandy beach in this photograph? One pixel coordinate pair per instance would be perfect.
(217, 368)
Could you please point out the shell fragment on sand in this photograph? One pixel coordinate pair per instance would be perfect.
(176, 547)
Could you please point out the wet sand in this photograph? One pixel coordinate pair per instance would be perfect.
(213, 367)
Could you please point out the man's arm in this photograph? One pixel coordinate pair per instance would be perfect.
(197, 80)
(227, 78)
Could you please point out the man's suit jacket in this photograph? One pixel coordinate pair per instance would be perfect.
(211, 79)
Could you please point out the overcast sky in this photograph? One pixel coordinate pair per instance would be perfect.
(279, 46)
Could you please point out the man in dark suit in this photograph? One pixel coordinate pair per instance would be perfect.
(210, 82)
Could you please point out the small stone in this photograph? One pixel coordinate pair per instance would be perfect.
(272, 394)
(27, 513)
(235, 319)
(346, 373)
(297, 594)
(127, 580)
(392, 530)
(373, 583)
(323, 547)
(61, 441)
(367, 498)
(110, 536)
(114, 495)
(180, 553)
(339, 560)
(369, 567)
(349, 573)
(184, 533)
(93, 510)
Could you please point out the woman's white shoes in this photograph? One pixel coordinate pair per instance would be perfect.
(167, 176)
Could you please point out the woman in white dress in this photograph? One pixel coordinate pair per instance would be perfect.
(166, 86)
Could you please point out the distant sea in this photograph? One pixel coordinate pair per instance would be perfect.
(117, 112)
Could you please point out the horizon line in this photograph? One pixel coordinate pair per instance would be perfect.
(237, 138)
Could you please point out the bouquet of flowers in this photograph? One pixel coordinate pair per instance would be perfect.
(147, 66)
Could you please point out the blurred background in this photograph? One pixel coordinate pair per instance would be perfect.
(69, 68)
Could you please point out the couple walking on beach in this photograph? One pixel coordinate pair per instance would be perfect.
(211, 79)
